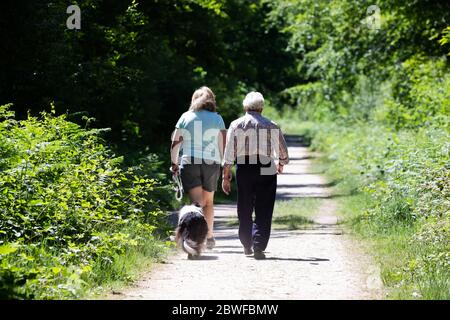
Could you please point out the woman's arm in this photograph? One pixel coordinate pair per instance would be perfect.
(177, 139)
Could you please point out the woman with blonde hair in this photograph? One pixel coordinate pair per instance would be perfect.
(199, 138)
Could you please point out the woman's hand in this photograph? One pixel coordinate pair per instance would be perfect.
(174, 168)
(226, 186)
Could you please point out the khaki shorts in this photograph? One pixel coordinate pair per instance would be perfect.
(200, 175)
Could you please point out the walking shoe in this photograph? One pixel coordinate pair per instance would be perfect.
(259, 255)
(248, 251)
(210, 243)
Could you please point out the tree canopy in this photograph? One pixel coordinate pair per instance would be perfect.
(134, 65)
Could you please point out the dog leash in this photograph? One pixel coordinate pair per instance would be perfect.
(178, 186)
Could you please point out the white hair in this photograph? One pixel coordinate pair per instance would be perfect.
(254, 101)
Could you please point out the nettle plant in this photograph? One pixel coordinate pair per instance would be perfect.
(65, 202)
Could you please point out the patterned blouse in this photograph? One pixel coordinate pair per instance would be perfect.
(255, 135)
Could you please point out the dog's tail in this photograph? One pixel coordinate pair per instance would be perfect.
(189, 249)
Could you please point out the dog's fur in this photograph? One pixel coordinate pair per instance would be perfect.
(191, 231)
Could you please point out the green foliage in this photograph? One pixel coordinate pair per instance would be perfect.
(432, 262)
(134, 65)
(445, 37)
(350, 69)
(403, 178)
(67, 205)
(73, 213)
(421, 94)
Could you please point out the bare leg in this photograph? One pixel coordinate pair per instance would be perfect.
(196, 195)
(208, 211)
(206, 200)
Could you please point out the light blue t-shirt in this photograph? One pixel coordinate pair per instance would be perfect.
(200, 131)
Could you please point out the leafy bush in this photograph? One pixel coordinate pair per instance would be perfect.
(445, 40)
(432, 262)
(421, 93)
(404, 178)
(66, 204)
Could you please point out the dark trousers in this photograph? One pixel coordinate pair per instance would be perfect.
(256, 192)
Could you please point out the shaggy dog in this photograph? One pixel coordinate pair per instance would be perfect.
(191, 231)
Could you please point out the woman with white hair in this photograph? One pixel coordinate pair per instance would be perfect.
(200, 136)
(254, 143)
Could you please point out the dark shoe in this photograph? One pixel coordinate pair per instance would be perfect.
(248, 251)
(210, 243)
(259, 255)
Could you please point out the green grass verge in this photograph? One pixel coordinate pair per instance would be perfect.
(295, 213)
(115, 274)
(397, 253)
(394, 204)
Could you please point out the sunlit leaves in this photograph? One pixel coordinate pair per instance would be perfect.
(66, 201)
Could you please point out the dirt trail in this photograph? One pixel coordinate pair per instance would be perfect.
(318, 263)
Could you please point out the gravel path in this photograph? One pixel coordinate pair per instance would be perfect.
(318, 263)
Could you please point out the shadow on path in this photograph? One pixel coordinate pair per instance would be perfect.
(291, 195)
(307, 185)
(292, 269)
(203, 257)
(297, 259)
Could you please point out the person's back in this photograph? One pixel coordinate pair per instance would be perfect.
(256, 139)
(200, 134)
(252, 141)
